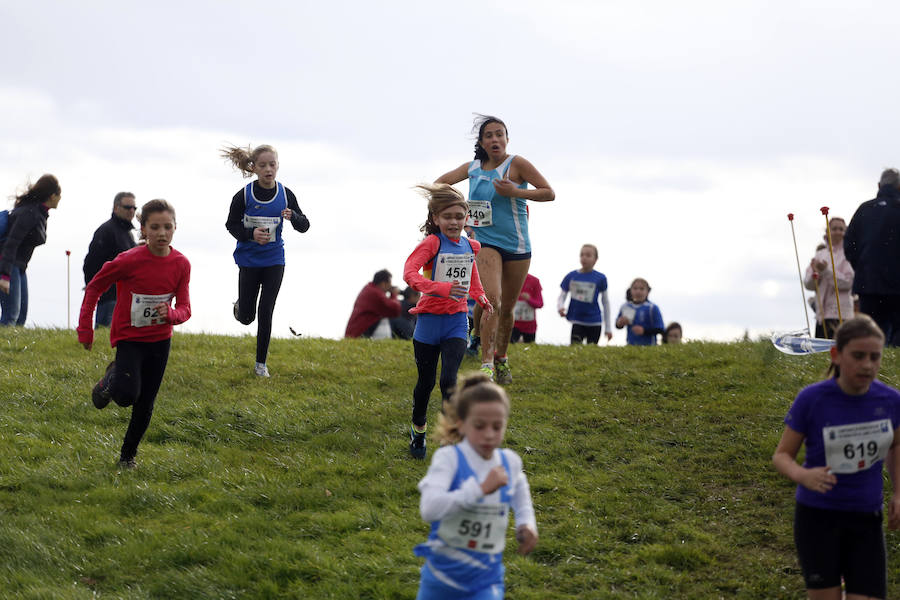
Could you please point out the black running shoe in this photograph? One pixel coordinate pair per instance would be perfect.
(417, 443)
(127, 463)
(100, 394)
(474, 346)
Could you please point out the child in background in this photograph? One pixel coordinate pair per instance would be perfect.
(450, 274)
(147, 277)
(530, 299)
(642, 317)
(586, 286)
(466, 496)
(850, 424)
(672, 334)
(255, 219)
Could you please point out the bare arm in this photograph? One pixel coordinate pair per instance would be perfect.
(816, 479)
(458, 174)
(893, 467)
(522, 170)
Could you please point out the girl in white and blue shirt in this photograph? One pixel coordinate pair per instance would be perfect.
(466, 496)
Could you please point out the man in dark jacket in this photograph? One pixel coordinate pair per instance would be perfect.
(872, 245)
(111, 239)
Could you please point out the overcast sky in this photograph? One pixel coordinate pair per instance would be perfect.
(677, 137)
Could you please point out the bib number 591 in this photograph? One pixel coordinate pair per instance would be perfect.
(474, 528)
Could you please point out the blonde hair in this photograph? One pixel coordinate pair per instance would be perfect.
(473, 389)
(440, 196)
(592, 247)
(244, 159)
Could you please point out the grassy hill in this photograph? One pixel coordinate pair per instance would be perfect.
(650, 472)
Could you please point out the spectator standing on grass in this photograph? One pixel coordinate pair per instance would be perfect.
(588, 290)
(826, 309)
(525, 310)
(642, 317)
(466, 495)
(26, 230)
(110, 239)
(872, 245)
(375, 305)
(850, 424)
(147, 279)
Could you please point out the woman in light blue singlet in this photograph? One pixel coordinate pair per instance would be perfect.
(498, 190)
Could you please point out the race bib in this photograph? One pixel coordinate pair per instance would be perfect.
(270, 224)
(480, 213)
(454, 267)
(583, 291)
(856, 446)
(523, 311)
(142, 312)
(480, 527)
(629, 312)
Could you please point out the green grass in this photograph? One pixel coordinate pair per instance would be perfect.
(649, 467)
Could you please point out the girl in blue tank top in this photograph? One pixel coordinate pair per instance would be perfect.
(467, 494)
(256, 220)
(850, 425)
(498, 190)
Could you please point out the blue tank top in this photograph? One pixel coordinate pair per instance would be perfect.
(262, 214)
(475, 570)
(509, 219)
(453, 261)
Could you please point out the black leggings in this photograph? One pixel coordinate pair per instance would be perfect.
(250, 280)
(582, 333)
(135, 380)
(451, 352)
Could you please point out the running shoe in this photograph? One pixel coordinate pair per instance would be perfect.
(100, 394)
(417, 443)
(487, 371)
(234, 310)
(474, 346)
(503, 375)
(261, 370)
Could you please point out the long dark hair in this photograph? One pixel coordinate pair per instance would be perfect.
(39, 191)
(861, 326)
(482, 121)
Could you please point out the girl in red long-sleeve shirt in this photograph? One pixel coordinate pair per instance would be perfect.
(147, 278)
(449, 274)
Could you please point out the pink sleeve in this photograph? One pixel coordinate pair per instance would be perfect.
(535, 298)
(476, 291)
(108, 274)
(425, 252)
(182, 310)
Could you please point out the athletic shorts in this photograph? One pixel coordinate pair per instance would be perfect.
(432, 588)
(832, 543)
(505, 255)
(433, 329)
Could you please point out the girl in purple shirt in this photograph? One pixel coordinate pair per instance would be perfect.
(850, 424)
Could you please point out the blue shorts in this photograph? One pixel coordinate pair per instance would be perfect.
(433, 329)
(431, 588)
(506, 255)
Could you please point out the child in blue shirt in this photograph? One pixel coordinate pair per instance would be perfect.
(642, 317)
(586, 286)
